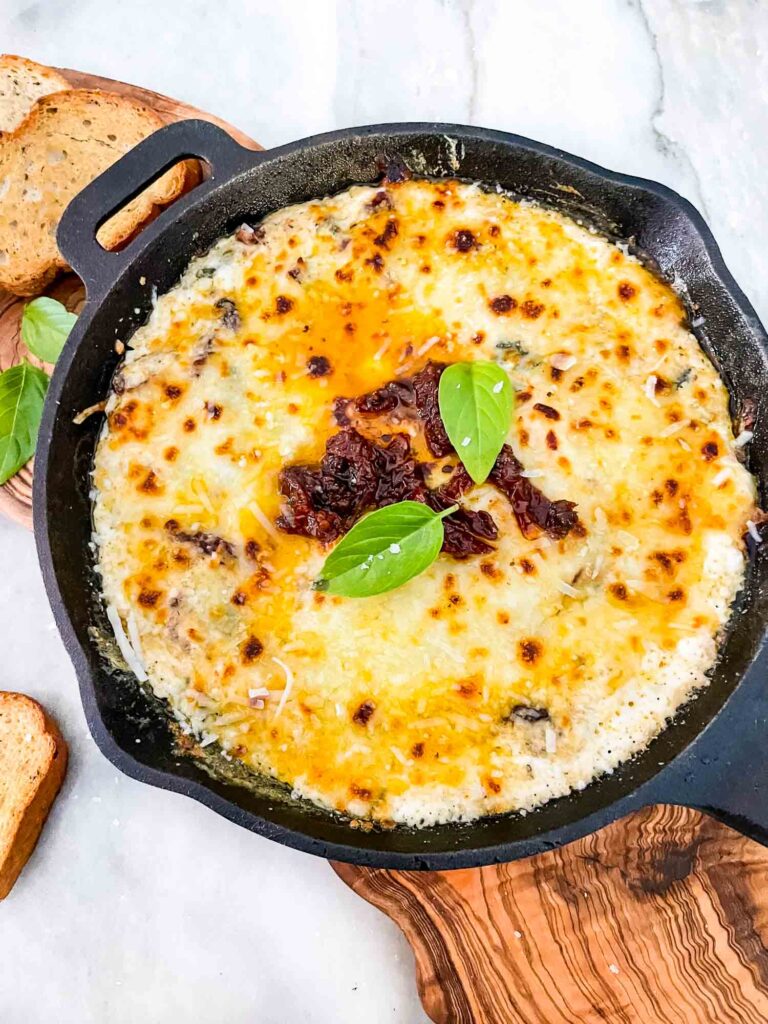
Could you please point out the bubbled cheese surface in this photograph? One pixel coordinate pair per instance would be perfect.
(609, 631)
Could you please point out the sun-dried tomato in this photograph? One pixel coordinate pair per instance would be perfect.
(397, 396)
(463, 530)
(412, 396)
(354, 475)
(531, 507)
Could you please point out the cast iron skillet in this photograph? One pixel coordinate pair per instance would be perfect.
(713, 756)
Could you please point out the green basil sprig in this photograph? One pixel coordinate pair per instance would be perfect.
(476, 401)
(22, 393)
(45, 326)
(384, 550)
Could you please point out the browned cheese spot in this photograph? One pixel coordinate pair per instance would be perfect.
(532, 310)
(364, 713)
(467, 688)
(547, 410)
(149, 484)
(503, 304)
(463, 240)
(250, 649)
(529, 650)
(318, 366)
(390, 231)
(490, 570)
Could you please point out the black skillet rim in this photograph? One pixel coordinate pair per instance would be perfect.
(645, 793)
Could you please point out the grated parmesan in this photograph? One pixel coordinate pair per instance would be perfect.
(288, 686)
(262, 518)
(566, 588)
(563, 361)
(428, 344)
(650, 389)
(131, 658)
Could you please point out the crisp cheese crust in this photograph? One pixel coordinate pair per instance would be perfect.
(606, 631)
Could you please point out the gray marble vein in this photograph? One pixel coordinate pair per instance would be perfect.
(666, 145)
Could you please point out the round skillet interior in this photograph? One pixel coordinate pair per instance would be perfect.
(134, 729)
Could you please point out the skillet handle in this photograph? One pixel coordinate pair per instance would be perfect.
(145, 163)
(724, 773)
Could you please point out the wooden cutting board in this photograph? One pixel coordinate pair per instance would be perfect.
(661, 918)
(658, 919)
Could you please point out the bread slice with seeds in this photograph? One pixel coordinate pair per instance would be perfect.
(22, 83)
(67, 140)
(33, 761)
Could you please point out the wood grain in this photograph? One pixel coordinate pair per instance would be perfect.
(658, 919)
(16, 494)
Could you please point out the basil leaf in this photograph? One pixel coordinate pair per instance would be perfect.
(45, 326)
(22, 393)
(384, 550)
(476, 401)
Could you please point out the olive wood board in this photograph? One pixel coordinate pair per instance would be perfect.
(656, 919)
(660, 918)
(16, 494)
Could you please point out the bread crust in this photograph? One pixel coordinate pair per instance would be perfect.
(22, 82)
(66, 140)
(24, 821)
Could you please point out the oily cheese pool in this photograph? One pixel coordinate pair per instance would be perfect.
(286, 386)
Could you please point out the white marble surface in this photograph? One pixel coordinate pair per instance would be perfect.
(141, 905)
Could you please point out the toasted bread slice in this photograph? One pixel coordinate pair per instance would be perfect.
(33, 760)
(22, 83)
(66, 140)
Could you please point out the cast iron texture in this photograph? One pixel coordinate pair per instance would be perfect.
(713, 756)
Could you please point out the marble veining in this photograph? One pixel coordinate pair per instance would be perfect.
(142, 905)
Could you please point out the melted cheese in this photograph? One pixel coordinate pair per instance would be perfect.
(609, 632)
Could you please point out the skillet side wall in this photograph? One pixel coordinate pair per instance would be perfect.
(132, 729)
